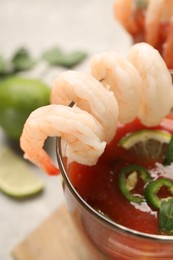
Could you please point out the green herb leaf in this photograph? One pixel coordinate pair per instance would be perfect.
(57, 57)
(5, 67)
(169, 153)
(141, 4)
(22, 60)
(166, 216)
(53, 55)
(72, 59)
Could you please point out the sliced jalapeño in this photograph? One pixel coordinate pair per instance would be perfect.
(128, 179)
(152, 189)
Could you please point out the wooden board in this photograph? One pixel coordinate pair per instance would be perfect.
(55, 239)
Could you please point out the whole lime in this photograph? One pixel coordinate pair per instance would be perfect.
(18, 98)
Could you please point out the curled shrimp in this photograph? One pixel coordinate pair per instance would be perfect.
(84, 135)
(123, 10)
(160, 12)
(152, 21)
(88, 94)
(119, 75)
(167, 51)
(157, 96)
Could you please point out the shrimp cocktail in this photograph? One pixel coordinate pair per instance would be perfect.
(114, 134)
(150, 21)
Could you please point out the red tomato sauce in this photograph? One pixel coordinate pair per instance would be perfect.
(98, 184)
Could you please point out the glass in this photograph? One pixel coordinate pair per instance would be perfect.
(104, 238)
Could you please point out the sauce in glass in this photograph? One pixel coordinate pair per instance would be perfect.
(98, 184)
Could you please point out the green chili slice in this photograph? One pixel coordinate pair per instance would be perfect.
(127, 181)
(153, 188)
(169, 153)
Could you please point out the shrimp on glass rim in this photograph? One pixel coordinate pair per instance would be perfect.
(88, 94)
(123, 12)
(158, 11)
(83, 133)
(136, 86)
(157, 89)
(118, 75)
(167, 52)
(153, 20)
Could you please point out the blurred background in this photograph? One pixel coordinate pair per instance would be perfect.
(39, 25)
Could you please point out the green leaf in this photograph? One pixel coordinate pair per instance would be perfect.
(57, 57)
(5, 67)
(22, 60)
(73, 59)
(2, 65)
(166, 216)
(53, 55)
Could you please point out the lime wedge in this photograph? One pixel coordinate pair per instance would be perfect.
(16, 177)
(146, 143)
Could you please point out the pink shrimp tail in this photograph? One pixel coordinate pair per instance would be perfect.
(43, 161)
(50, 168)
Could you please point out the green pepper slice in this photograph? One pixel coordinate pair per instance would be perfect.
(153, 188)
(128, 175)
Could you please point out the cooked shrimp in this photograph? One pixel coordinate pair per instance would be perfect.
(157, 97)
(152, 20)
(123, 10)
(167, 52)
(158, 11)
(119, 75)
(88, 94)
(84, 135)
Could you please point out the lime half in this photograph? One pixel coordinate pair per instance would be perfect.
(18, 98)
(146, 143)
(16, 177)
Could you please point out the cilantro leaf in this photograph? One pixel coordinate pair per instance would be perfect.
(53, 55)
(5, 67)
(57, 57)
(22, 60)
(166, 216)
(72, 59)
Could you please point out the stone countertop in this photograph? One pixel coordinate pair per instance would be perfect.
(39, 25)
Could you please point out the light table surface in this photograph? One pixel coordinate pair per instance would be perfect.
(39, 25)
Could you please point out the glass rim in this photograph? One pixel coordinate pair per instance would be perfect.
(100, 217)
